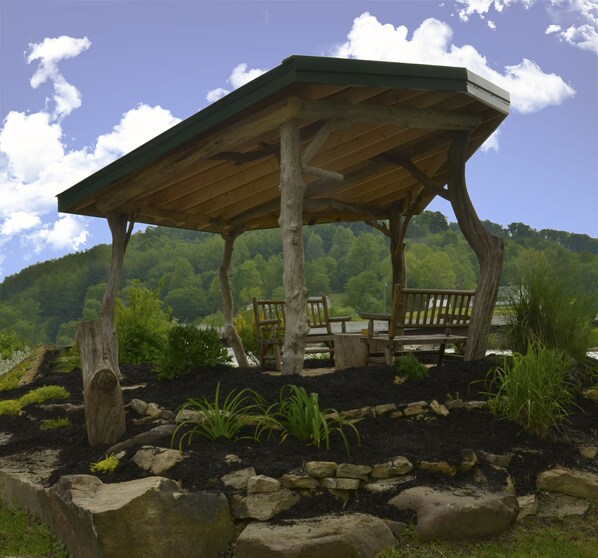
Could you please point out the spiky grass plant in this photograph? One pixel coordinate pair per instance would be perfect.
(533, 389)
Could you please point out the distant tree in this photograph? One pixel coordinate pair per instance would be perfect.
(364, 292)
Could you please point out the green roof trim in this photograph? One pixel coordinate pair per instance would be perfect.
(293, 70)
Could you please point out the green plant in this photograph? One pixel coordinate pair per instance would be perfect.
(106, 466)
(141, 326)
(216, 419)
(9, 407)
(532, 389)
(299, 415)
(188, 347)
(55, 423)
(407, 365)
(9, 343)
(543, 308)
(15, 371)
(67, 360)
(244, 323)
(41, 394)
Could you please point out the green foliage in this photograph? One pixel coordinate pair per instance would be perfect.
(545, 309)
(410, 367)
(299, 415)
(188, 347)
(16, 368)
(9, 343)
(55, 423)
(533, 389)
(219, 419)
(105, 466)
(42, 394)
(141, 326)
(9, 407)
(68, 360)
(244, 323)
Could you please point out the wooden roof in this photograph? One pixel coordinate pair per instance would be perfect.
(218, 170)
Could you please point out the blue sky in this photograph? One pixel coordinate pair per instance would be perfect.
(83, 82)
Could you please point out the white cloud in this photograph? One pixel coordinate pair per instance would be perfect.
(575, 21)
(432, 43)
(491, 144)
(35, 165)
(238, 77)
(491, 25)
(49, 53)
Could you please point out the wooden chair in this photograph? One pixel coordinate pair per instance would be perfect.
(429, 317)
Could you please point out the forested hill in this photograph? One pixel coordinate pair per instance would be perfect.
(43, 302)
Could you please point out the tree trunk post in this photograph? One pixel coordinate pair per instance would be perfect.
(487, 247)
(230, 333)
(397, 224)
(292, 190)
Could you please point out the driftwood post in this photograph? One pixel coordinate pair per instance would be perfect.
(397, 224)
(230, 333)
(487, 247)
(98, 351)
(292, 190)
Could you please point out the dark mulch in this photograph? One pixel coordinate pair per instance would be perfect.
(439, 438)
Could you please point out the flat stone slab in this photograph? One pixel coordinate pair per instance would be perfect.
(346, 536)
(578, 484)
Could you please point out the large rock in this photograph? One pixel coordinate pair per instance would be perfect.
(458, 515)
(157, 460)
(347, 536)
(578, 484)
(263, 505)
(145, 518)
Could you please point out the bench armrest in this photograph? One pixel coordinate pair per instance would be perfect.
(342, 320)
(374, 318)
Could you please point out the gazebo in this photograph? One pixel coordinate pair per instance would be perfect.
(315, 140)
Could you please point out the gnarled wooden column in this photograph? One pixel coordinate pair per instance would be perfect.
(397, 224)
(487, 247)
(230, 333)
(98, 351)
(292, 191)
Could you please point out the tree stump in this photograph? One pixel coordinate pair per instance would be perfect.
(102, 396)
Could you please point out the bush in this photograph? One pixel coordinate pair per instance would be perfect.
(188, 347)
(141, 326)
(244, 323)
(533, 389)
(543, 308)
(410, 367)
(9, 344)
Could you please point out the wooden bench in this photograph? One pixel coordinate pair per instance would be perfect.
(428, 317)
(269, 316)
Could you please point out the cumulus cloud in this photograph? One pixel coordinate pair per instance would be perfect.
(35, 165)
(575, 21)
(491, 144)
(531, 89)
(238, 77)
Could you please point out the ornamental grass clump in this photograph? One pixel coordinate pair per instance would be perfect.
(219, 419)
(533, 389)
(298, 414)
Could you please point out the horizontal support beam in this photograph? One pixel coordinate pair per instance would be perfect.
(173, 218)
(381, 114)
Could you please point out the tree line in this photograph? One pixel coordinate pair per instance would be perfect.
(43, 302)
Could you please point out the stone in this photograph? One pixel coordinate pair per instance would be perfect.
(321, 469)
(262, 483)
(357, 413)
(500, 460)
(143, 439)
(591, 393)
(459, 514)
(454, 404)
(418, 404)
(468, 461)
(345, 536)
(559, 506)
(396, 527)
(528, 505)
(142, 421)
(68, 408)
(157, 460)
(474, 405)
(588, 452)
(387, 485)
(349, 471)
(290, 480)
(263, 505)
(139, 406)
(386, 409)
(574, 483)
(441, 467)
(414, 410)
(396, 466)
(238, 479)
(187, 415)
(167, 415)
(396, 414)
(152, 410)
(231, 459)
(340, 483)
(145, 518)
(439, 408)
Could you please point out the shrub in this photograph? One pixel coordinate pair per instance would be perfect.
(141, 326)
(106, 466)
(55, 423)
(410, 367)
(219, 420)
(533, 390)
(9, 344)
(9, 407)
(544, 309)
(42, 394)
(299, 415)
(188, 347)
(244, 323)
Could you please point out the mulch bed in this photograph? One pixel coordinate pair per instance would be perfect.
(431, 439)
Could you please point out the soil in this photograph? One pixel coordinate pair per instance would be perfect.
(431, 438)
